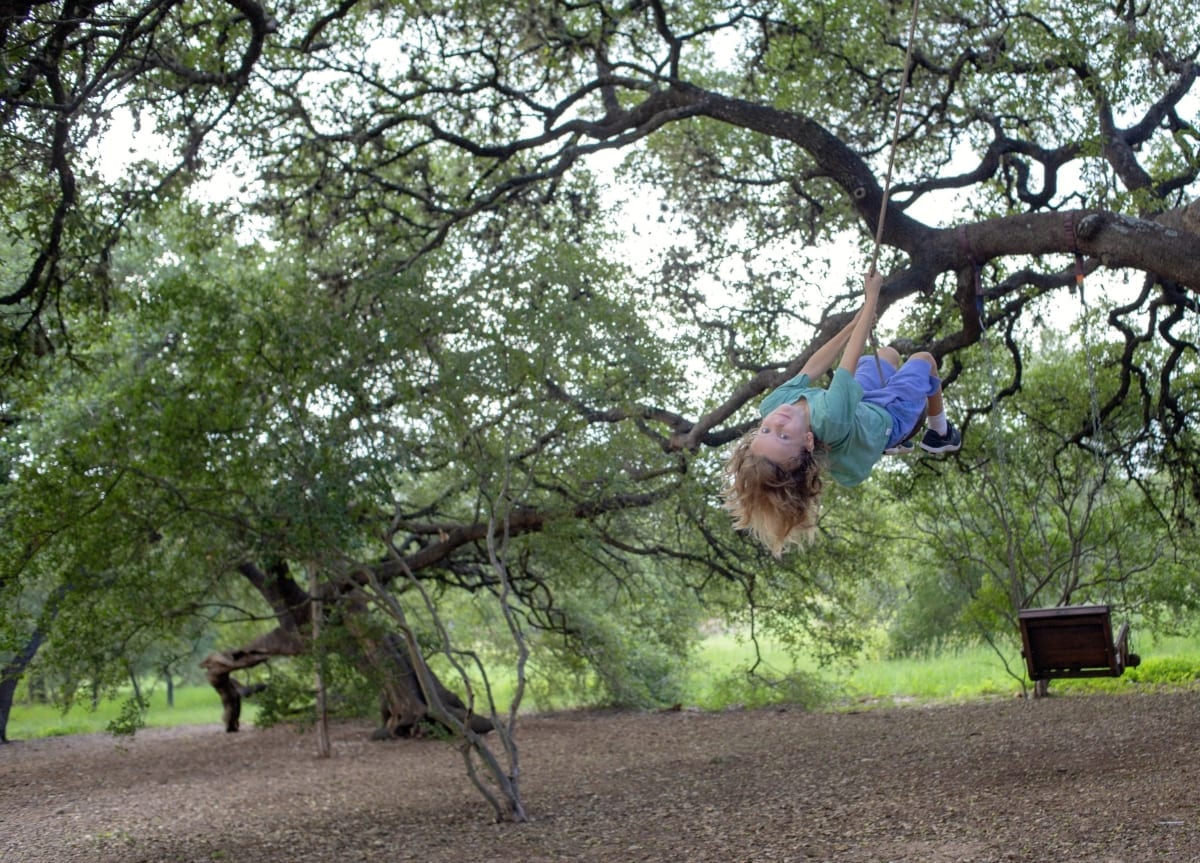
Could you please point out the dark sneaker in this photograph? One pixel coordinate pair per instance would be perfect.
(905, 447)
(951, 441)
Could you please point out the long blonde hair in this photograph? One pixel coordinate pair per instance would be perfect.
(778, 504)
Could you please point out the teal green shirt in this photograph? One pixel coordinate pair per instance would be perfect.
(855, 431)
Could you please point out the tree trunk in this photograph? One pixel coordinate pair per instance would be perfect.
(403, 702)
(136, 684)
(10, 676)
(379, 655)
(324, 748)
(219, 668)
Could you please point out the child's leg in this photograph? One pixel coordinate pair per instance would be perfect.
(872, 374)
(899, 389)
(889, 355)
(935, 406)
(941, 436)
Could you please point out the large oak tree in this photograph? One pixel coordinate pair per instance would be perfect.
(440, 180)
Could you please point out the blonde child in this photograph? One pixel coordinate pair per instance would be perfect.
(775, 475)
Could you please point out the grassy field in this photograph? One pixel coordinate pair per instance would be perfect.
(718, 680)
(194, 705)
(954, 676)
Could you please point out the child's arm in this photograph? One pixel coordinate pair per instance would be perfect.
(864, 323)
(824, 357)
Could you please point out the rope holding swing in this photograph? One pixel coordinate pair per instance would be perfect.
(887, 182)
(1093, 387)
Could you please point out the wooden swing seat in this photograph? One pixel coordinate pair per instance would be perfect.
(1074, 641)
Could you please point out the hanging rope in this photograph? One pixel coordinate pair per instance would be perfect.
(887, 182)
(1099, 442)
(977, 273)
(1093, 388)
(1005, 504)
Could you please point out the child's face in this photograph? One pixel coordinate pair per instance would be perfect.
(784, 434)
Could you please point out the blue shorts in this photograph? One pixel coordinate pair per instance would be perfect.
(902, 393)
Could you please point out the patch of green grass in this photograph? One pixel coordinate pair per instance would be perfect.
(979, 672)
(730, 651)
(194, 705)
(955, 675)
(961, 675)
(719, 675)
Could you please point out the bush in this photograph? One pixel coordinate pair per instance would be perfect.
(1168, 670)
(130, 719)
(290, 696)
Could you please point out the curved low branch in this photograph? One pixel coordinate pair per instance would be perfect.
(219, 668)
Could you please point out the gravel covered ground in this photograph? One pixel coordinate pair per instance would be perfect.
(1099, 779)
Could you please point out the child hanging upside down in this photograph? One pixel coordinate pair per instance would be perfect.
(774, 477)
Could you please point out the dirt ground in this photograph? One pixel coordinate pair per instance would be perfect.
(1099, 779)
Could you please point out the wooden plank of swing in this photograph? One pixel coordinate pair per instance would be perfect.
(1073, 641)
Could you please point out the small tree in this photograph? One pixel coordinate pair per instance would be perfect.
(1028, 517)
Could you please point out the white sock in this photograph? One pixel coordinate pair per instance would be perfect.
(937, 423)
